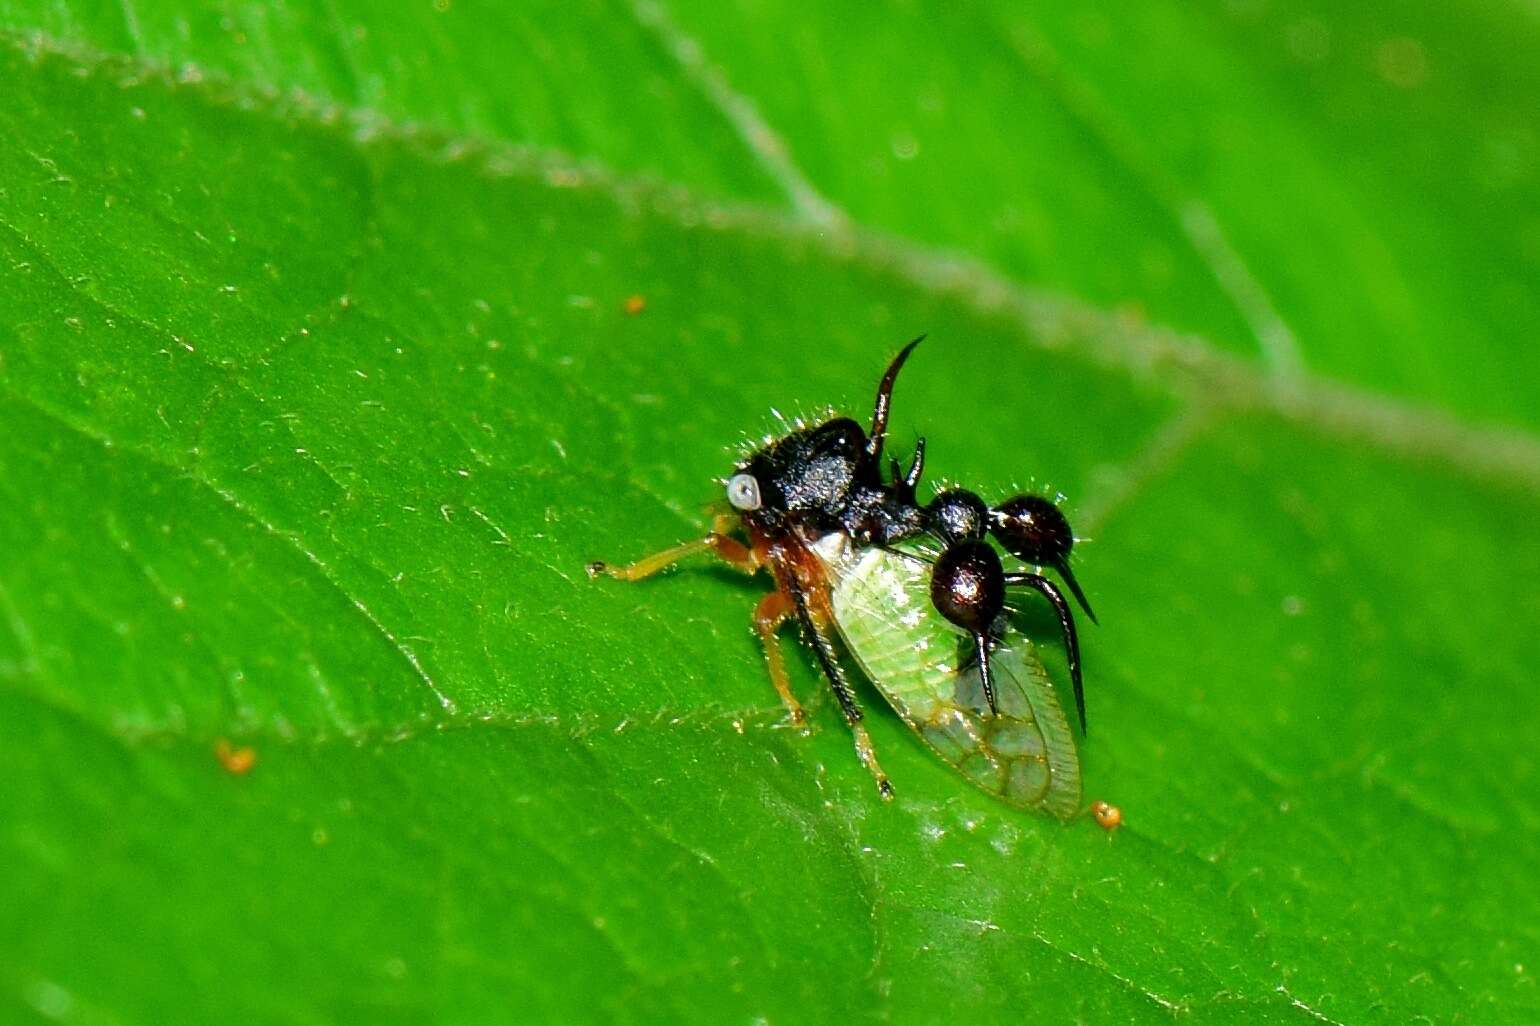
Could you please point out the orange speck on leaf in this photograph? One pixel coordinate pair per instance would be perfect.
(236, 761)
(635, 304)
(1107, 816)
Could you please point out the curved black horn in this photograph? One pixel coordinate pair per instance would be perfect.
(879, 430)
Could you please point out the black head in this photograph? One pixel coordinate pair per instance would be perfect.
(806, 477)
(826, 477)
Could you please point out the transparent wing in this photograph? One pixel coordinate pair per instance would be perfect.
(924, 667)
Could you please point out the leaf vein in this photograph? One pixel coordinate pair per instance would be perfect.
(762, 141)
(1178, 362)
(289, 538)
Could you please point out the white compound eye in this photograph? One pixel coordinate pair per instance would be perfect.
(743, 492)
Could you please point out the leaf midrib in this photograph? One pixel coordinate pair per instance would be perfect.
(752, 219)
(1142, 350)
(1184, 365)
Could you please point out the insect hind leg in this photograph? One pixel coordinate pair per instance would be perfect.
(823, 648)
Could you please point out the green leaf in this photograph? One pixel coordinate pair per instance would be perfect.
(318, 388)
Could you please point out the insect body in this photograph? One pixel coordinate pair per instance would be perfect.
(1022, 750)
(845, 545)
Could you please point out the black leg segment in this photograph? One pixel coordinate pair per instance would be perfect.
(837, 683)
(827, 660)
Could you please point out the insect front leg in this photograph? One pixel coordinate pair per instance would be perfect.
(727, 548)
(771, 612)
(829, 662)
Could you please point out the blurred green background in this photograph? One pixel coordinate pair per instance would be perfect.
(321, 378)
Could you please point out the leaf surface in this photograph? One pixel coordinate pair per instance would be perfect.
(318, 389)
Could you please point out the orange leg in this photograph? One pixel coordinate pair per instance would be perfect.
(771, 612)
(730, 550)
(868, 756)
